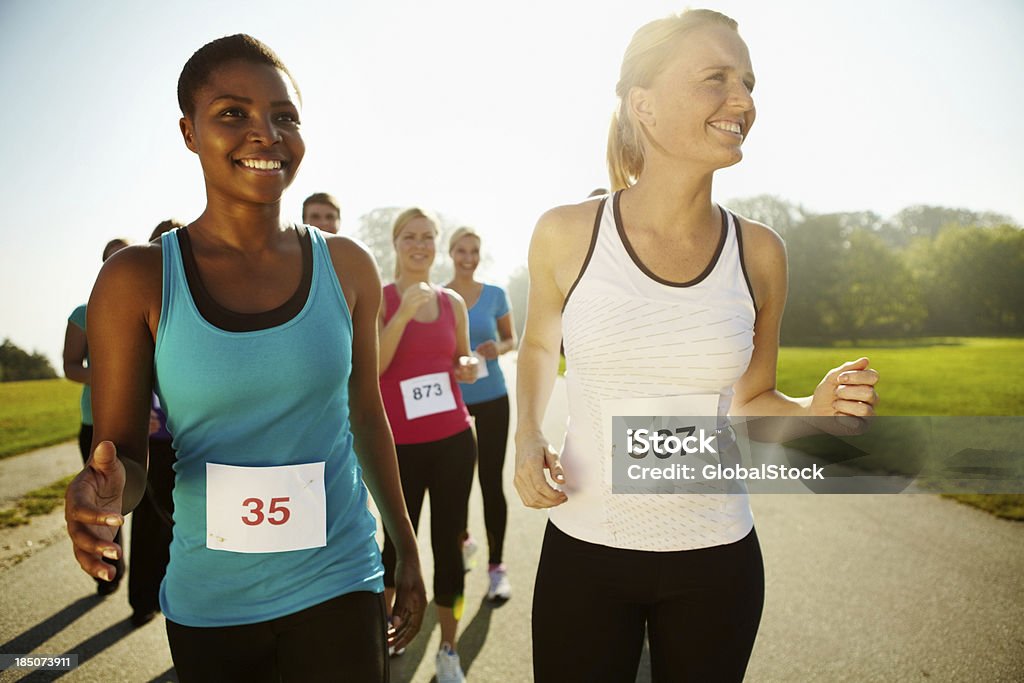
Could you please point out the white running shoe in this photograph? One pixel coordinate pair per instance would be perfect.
(500, 588)
(469, 548)
(449, 670)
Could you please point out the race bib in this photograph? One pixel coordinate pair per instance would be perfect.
(427, 395)
(265, 509)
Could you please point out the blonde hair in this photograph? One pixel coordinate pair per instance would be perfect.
(401, 221)
(464, 231)
(648, 53)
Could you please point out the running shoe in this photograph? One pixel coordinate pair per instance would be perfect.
(469, 548)
(449, 670)
(500, 589)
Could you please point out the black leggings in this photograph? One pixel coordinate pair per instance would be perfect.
(342, 639)
(491, 443)
(85, 448)
(591, 605)
(445, 468)
(152, 524)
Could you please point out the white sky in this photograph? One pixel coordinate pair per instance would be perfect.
(489, 113)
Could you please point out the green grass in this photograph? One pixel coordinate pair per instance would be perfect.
(952, 376)
(37, 413)
(949, 376)
(1000, 505)
(34, 503)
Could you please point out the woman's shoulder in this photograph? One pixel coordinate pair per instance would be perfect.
(457, 302)
(138, 264)
(569, 225)
(764, 253)
(761, 244)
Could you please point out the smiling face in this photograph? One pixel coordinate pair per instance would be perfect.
(415, 245)
(465, 255)
(323, 216)
(699, 107)
(245, 129)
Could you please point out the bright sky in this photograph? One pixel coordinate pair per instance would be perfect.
(487, 112)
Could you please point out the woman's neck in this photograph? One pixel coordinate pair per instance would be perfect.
(671, 199)
(244, 227)
(463, 280)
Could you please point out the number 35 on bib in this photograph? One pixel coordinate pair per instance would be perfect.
(265, 509)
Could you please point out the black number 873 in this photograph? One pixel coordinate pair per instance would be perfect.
(426, 391)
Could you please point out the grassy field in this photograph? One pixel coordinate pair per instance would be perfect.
(37, 413)
(955, 376)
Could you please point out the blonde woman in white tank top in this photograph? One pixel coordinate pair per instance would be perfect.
(657, 293)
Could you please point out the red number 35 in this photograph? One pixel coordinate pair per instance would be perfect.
(277, 514)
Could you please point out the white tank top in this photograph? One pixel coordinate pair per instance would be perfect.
(629, 335)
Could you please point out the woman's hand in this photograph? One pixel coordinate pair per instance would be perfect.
(466, 369)
(489, 349)
(92, 510)
(410, 602)
(533, 456)
(413, 298)
(848, 393)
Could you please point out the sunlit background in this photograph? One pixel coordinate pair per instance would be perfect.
(488, 113)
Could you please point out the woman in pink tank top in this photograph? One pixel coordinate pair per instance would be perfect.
(424, 354)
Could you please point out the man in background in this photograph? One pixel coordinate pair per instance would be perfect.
(321, 210)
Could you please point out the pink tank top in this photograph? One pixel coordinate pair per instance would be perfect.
(421, 396)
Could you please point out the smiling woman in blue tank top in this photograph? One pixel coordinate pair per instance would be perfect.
(662, 297)
(275, 573)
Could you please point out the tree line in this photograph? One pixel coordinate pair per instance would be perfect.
(926, 271)
(17, 365)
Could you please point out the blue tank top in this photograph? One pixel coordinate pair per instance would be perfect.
(77, 318)
(263, 398)
(483, 326)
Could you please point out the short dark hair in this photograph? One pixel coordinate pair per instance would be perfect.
(165, 226)
(113, 246)
(320, 198)
(216, 53)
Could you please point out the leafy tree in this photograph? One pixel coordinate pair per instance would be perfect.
(875, 294)
(17, 365)
(773, 211)
(814, 249)
(972, 279)
(929, 221)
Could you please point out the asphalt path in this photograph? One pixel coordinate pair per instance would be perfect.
(859, 588)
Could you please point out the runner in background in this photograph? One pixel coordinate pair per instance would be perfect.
(491, 333)
(78, 369)
(424, 353)
(275, 573)
(323, 211)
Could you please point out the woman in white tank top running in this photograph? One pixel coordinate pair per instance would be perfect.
(660, 296)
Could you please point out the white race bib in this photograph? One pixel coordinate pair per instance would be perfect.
(702, 408)
(427, 395)
(265, 509)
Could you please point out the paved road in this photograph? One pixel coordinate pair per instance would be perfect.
(859, 588)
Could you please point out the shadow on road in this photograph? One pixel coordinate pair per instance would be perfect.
(475, 634)
(51, 626)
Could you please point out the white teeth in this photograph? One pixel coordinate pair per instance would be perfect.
(728, 126)
(261, 164)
